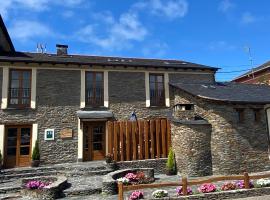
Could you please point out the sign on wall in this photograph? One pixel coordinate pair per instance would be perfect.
(49, 134)
(66, 133)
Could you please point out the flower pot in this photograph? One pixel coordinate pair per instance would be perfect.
(170, 172)
(35, 163)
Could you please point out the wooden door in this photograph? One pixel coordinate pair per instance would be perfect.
(94, 141)
(18, 146)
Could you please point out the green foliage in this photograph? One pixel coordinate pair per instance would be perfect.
(35, 154)
(170, 165)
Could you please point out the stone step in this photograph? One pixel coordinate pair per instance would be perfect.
(87, 173)
(26, 175)
(82, 192)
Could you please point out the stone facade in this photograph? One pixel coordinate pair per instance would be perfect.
(58, 99)
(235, 146)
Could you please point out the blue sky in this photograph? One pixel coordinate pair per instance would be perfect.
(210, 32)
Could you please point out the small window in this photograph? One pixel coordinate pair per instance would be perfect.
(257, 115)
(94, 89)
(183, 107)
(157, 91)
(20, 88)
(241, 115)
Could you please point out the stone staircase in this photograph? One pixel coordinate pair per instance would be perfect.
(83, 178)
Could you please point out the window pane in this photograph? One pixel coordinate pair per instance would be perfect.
(152, 78)
(160, 79)
(14, 92)
(15, 84)
(14, 74)
(14, 101)
(11, 151)
(25, 136)
(26, 83)
(24, 150)
(97, 146)
(12, 137)
(25, 93)
(26, 75)
(99, 77)
(89, 76)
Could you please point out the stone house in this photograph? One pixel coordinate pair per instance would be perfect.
(258, 75)
(64, 102)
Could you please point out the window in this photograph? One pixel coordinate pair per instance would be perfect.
(257, 115)
(183, 107)
(157, 93)
(20, 88)
(94, 89)
(241, 116)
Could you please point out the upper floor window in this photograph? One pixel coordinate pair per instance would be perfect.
(157, 91)
(257, 115)
(241, 115)
(94, 89)
(20, 88)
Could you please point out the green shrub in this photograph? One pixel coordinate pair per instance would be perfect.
(170, 165)
(35, 154)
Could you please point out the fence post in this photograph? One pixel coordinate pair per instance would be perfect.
(246, 180)
(184, 187)
(120, 191)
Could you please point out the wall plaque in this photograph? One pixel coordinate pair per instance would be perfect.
(66, 133)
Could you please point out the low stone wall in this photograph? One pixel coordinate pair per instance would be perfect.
(109, 183)
(159, 165)
(51, 192)
(228, 194)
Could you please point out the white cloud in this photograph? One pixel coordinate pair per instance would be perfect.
(26, 30)
(170, 8)
(34, 5)
(225, 6)
(155, 49)
(114, 34)
(248, 18)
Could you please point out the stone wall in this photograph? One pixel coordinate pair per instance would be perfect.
(192, 147)
(235, 147)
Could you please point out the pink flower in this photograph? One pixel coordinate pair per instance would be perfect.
(179, 190)
(207, 187)
(136, 195)
(131, 176)
(36, 185)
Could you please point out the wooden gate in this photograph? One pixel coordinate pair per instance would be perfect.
(138, 140)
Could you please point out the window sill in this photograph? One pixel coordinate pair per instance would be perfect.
(14, 108)
(94, 108)
(158, 106)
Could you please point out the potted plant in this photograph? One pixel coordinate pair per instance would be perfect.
(170, 165)
(110, 162)
(1, 160)
(35, 155)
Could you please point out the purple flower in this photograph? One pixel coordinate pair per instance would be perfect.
(131, 176)
(36, 184)
(241, 184)
(179, 190)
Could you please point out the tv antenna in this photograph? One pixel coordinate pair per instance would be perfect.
(41, 48)
(248, 51)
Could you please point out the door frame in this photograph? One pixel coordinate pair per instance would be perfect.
(90, 148)
(19, 127)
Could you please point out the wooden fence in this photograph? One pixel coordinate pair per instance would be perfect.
(137, 140)
(185, 183)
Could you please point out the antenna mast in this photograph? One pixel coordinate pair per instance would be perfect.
(248, 50)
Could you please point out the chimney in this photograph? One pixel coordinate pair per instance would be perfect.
(61, 49)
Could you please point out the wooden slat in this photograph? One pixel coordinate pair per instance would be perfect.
(115, 136)
(153, 185)
(110, 137)
(122, 130)
(134, 141)
(169, 139)
(128, 140)
(146, 140)
(158, 137)
(152, 130)
(215, 179)
(163, 137)
(141, 138)
(259, 176)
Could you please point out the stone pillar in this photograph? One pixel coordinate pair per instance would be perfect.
(191, 143)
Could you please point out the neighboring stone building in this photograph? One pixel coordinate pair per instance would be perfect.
(258, 75)
(64, 101)
(226, 131)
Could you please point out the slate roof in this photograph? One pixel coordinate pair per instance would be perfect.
(8, 45)
(256, 69)
(229, 92)
(99, 60)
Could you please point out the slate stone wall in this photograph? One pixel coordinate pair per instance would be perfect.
(191, 143)
(235, 147)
